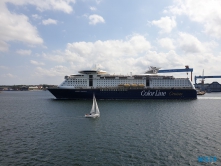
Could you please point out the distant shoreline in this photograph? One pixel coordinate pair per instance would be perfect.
(26, 87)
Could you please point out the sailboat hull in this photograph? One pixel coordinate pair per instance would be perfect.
(92, 115)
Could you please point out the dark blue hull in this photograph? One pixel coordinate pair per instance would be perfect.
(124, 93)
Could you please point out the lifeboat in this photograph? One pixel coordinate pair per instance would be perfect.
(126, 85)
(141, 85)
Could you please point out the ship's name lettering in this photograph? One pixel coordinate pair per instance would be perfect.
(175, 94)
(150, 93)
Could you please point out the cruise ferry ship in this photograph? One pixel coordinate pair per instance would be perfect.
(149, 85)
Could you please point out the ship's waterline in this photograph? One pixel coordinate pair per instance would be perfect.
(126, 94)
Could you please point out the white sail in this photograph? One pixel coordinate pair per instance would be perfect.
(93, 107)
(94, 110)
(96, 107)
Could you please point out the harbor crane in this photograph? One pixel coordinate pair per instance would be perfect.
(187, 69)
(203, 77)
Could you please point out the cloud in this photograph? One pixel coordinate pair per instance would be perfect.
(93, 8)
(24, 52)
(162, 59)
(166, 43)
(9, 75)
(43, 5)
(52, 72)
(166, 24)
(133, 46)
(95, 19)
(3, 46)
(56, 56)
(98, 1)
(15, 27)
(4, 67)
(36, 63)
(49, 21)
(190, 44)
(35, 16)
(110, 53)
(204, 12)
(134, 54)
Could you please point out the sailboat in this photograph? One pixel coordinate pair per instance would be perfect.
(94, 110)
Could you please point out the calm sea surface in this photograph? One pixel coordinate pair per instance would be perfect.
(36, 129)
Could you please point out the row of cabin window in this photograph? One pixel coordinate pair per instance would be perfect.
(181, 84)
(74, 84)
(77, 85)
(104, 81)
(77, 81)
(156, 82)
(172, 84)
(169, 81)
(121, 81)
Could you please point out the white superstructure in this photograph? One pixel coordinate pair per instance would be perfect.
(101, 79)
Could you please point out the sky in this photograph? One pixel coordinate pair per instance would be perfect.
(41, 41)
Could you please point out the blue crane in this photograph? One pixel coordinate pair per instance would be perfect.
(175, 70)
(187, 69)
(203, 77)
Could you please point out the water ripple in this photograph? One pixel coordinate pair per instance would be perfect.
(37, 130)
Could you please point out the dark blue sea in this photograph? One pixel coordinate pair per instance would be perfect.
(36, 129)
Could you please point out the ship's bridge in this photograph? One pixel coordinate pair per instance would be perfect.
(92, 72)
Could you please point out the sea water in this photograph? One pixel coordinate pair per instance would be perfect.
(37, 129)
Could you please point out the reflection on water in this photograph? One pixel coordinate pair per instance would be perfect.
(209, 97)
